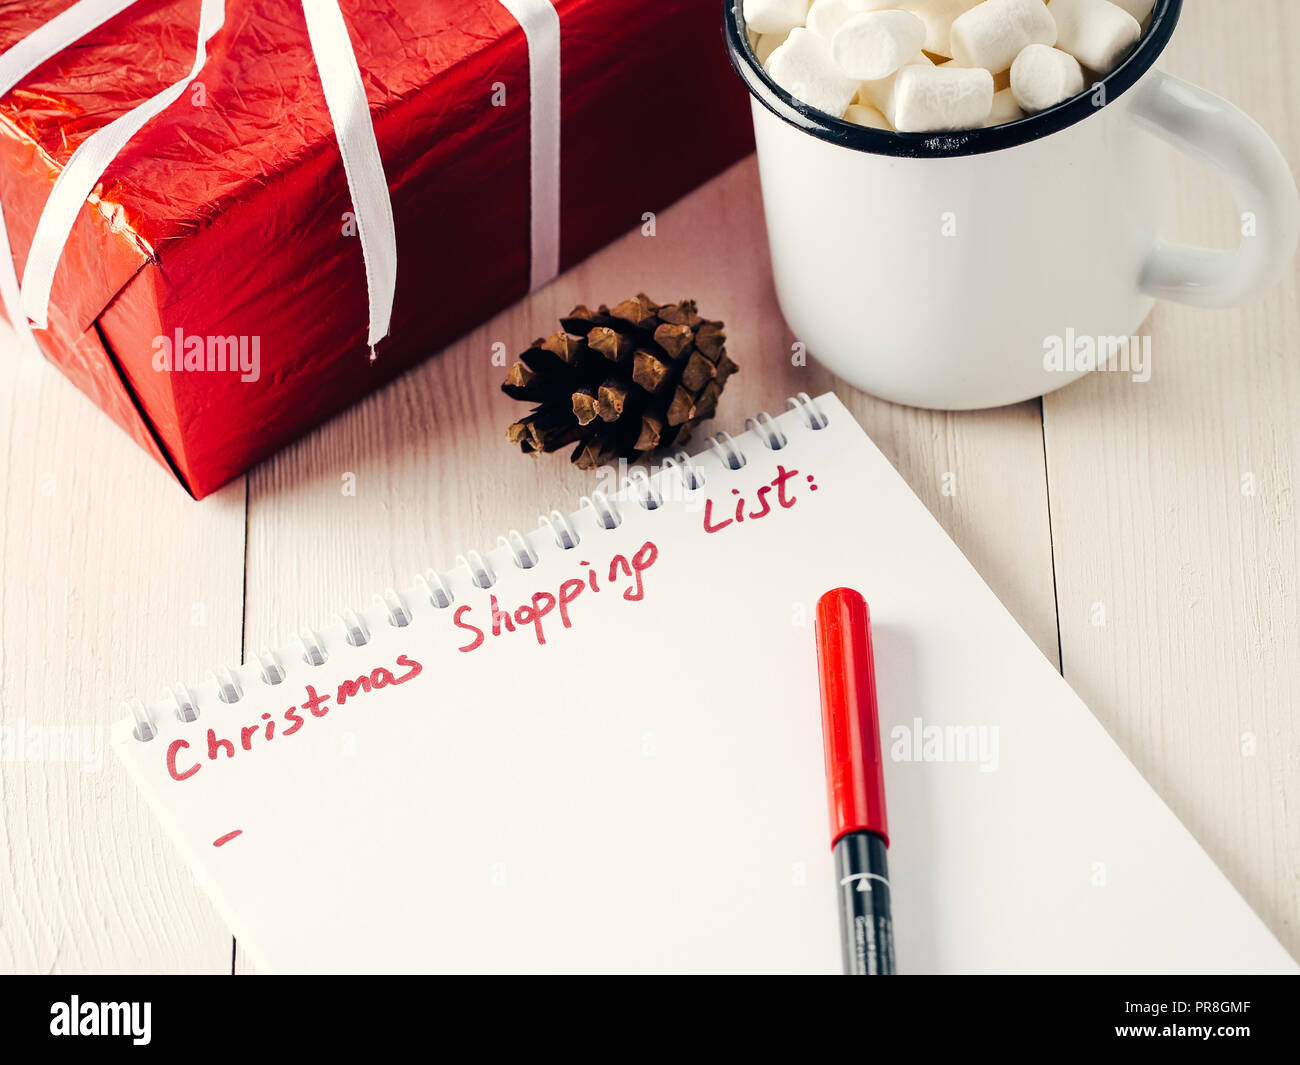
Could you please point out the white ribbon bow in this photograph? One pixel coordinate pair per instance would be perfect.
(349, 112)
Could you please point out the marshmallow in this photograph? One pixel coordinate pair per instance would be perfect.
(767, 44)
(1042, 77)
(1096, 32)
(775, 16)
(876, 93)
(928, 99)
(938, 17)
(1005, 108)
(1139, 9)
(992, 34)
(1001, 80)
(872, 46)
(865, 115)
(827, 16)
(803, 67)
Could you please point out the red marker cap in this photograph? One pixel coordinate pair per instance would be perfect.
(850, 722)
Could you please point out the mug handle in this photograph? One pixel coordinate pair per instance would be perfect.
(1210, 130)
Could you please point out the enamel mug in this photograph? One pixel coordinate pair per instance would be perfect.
(953, 270)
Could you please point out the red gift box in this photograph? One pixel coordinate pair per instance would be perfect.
(227, 222)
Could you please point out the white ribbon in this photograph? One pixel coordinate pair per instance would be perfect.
(541, 25)
(87, 166)
(350, 114)
(43, 43)
(345, 97)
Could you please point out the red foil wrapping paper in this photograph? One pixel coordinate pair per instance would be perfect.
(228, 216)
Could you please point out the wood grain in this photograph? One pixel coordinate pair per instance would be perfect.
(1196, 670)
(112, 582)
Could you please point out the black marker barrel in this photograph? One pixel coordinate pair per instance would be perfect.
(866, 928)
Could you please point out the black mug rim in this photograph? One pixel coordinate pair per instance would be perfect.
(1164, 18)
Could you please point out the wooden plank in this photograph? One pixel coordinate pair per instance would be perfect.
(434, 475)
(1196, 669)
(113, 581)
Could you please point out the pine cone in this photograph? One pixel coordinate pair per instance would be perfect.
(620, 383)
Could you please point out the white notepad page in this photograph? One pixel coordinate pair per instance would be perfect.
(645, 791)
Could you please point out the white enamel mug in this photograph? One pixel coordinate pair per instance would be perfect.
(943, 270)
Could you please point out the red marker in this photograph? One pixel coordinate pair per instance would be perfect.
(855, 781)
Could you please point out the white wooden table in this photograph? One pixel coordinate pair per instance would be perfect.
(1115, 502)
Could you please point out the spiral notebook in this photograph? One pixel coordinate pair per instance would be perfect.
(598, 749)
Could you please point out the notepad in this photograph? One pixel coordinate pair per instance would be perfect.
(598, 749)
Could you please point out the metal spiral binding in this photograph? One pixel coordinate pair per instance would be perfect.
(638, 486)
(272, 672)
(187, 710)
(813, 416)
(398, 616)
(142, 727)
(354, 628)
(312, 651)
(514, 542)
(439, 594)
(691, 477)
(480, 572)
(606, 513)
(566, 537)
(764, 426)
(228, 687)
(638, 482)
(732, 457)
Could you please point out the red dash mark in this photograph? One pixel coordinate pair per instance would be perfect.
(227, 837)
